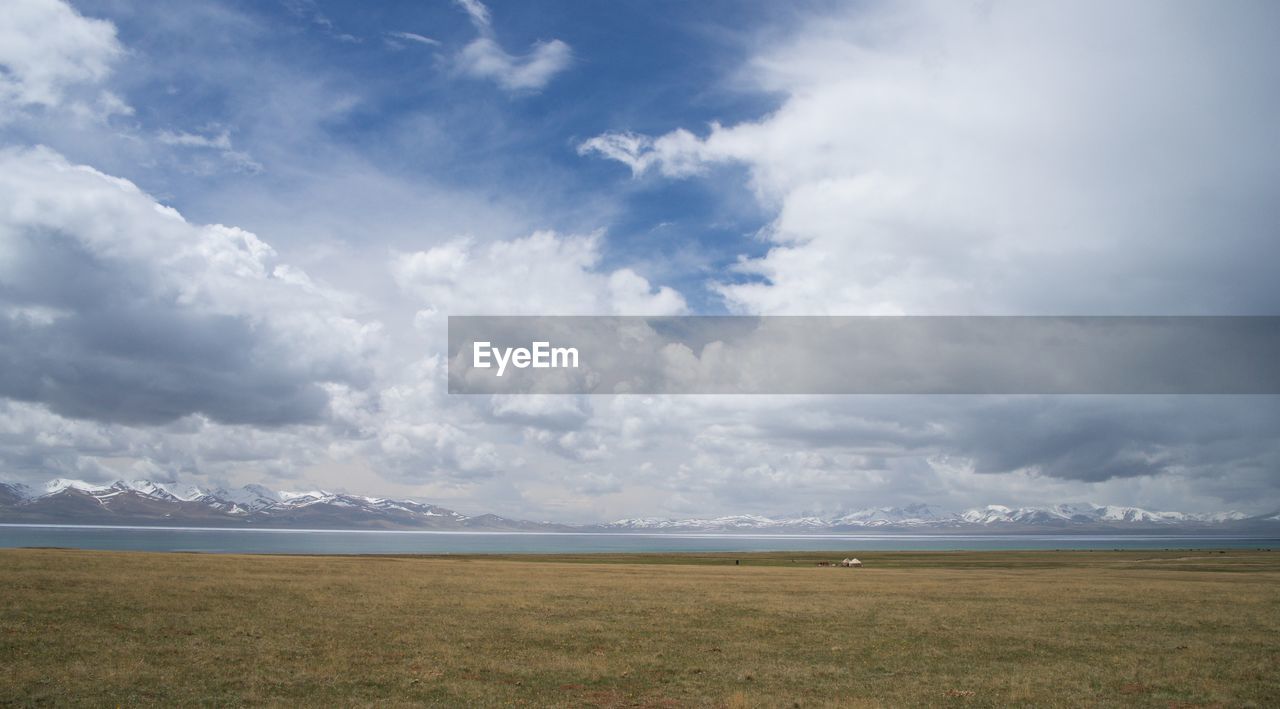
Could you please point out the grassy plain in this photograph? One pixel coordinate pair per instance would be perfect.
(1177, 628)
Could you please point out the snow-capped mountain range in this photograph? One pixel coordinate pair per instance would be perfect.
(147, 502)
(64, 501)
(922, 516)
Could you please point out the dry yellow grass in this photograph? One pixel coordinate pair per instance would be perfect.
(1071, 629)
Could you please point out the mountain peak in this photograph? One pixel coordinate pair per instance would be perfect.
(58, 485)
(1066, 516)
(68, 501)
(141, 501)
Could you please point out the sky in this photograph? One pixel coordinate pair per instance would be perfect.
(231, 233)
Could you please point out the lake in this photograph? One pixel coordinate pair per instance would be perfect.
(291, 541)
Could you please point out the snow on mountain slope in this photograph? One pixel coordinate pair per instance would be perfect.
(15, 492)
(911, 515)
(303, 497)
(248, 498)
(58, 485)
(175, 491)
(930, 517)
(69, 500)
(123, 501)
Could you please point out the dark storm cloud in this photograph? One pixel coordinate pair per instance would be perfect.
(1080, 438)
(98, 341)
(1092, 439)
(115, 309)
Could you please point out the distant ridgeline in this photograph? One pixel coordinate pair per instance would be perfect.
(143, 502)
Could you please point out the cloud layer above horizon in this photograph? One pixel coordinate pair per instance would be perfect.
(227, 256)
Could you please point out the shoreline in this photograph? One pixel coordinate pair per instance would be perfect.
(1094, 535)
(384, 543)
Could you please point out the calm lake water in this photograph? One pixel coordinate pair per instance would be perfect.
(278, 541)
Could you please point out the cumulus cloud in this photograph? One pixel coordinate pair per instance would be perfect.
(555, 413)
(484, 57)
(941, 158)
(921, 158)
(1009, 159)
(115, 308)
(49, 54)
(544, 273)
(791, 453)
(676, 154)
(410, 429)
(134, 342)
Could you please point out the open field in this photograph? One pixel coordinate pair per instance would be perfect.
(1163, 629)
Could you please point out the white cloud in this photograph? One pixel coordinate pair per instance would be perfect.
(541, 274)
(921, 159)
(217, 141)
(631, 149)
(131, 337)
(309, 11)
(154, 318)
(484, 58)
(939, 158)
(414, 37)
(676, 154)
(478, 13)
(48, 50)
(413, 432)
